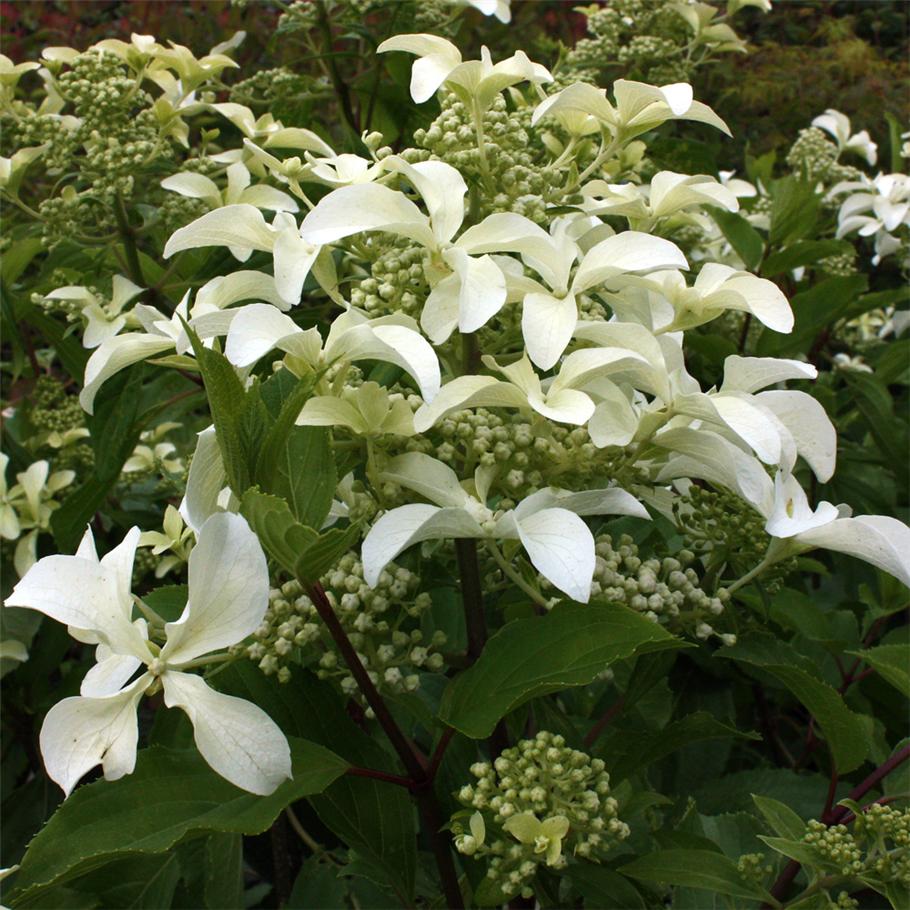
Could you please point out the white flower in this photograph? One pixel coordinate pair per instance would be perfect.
(880, 208)
(838, 125)
(498, 8)
(476, 82)
(258, 328)
(176, 537)
(667, 194)
(669, 305)
(238, 190)
(367, 410)
(228, 597)
(207, 492)
(545, 836)
(547, 523)
(877, 539)
(103, 320)
(468, 288)
(742, 189)
(639, 108)
(549, 310)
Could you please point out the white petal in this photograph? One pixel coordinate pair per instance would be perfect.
(630, 251)
(482, 292)
(245, 284)
(468, 392)
(564, 406)
(85, 594)
(611, 501)
(882, 541)
(108, 676)
(205, 481)
(614, 421)
(294, 258)
(257, 329)
(561, 548)
(233, 225)
(270, 198)
(79, 733)
(399, 529)
(547, 324)
(196, 186)
(427, 476)
(228, 590)
(365, 207)
(810, 426)
(792, 513)
(413, 354)
(441, 309)
(751, 423)
(443, 190)
(749, 374)
(116, 354)
(237, 738)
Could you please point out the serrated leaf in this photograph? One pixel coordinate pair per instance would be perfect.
(602, 887)
(373, 818)
(173, 794)
(319, 556)
(802, 253)
(792, 849)
(652, 746)
(695, 869)
(532, 657)
(891, 662)
(842, 729)
(226, 397)
(782, 819)
(744, 239)
(283, 537)
(305, 474)
(794, 210)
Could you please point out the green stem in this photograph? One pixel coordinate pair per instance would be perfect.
(510, 572)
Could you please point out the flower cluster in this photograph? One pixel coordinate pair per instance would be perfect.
(876, 847)
(382, 623)
(538, 803)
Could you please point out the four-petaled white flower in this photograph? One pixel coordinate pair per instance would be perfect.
(228, 597)
(476, 82)
(545, 836)
(103, 320)
(238, 190)
(838, 125)
(547, 523)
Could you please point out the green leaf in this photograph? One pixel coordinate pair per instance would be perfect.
(226, 397)
(782, 819)
(843, 730)
(875, 404)
(793, 849)
(319, 556)
(651, 746)
(703, 869)
(283, 537)
(317, 885)
(532, 657)
(804, 252)
(373, 818)
(602, 887)
(168, 601)
(113, 426)
(891, 662)
(794, 210)
(69, 521)
(172, 794)
(17, 256)
(305, 474)
(814, 310)
(744, 239)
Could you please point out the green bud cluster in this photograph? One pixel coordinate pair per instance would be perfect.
(31, 129)
(548, 779)
(815, 156)
(397, 283)
(754, 866)
(878, 846)
(530, 454)
(144, 564)
(666, 590)
(642, 39)
(512, 150)
(380, 623)
(718, 525)
(841, 265)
